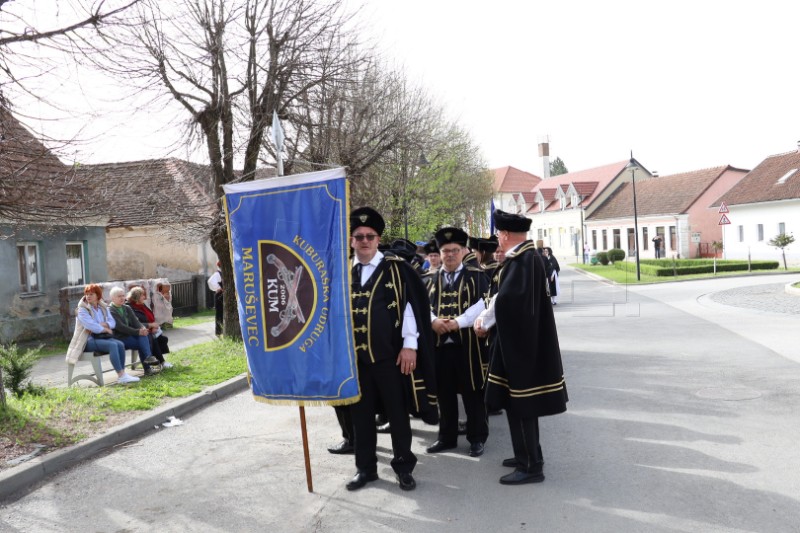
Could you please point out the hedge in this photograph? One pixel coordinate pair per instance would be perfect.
(684, 267)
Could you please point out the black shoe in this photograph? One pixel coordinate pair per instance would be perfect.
(510, 462)
(384, 428)
(476, 449)
(151, 360)
(406, 481)
(439, 446)
(342, 448)
(361, 479)
(148, 371)
(519, 477)
(462, 427)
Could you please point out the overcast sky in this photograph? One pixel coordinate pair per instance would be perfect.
(684, 84)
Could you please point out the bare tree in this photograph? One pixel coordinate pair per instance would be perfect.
(230, 64)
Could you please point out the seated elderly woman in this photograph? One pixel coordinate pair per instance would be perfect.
(129, 330)
(94, 315)
(162, 304)
(137, 297)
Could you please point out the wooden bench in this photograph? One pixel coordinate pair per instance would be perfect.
(97, 365)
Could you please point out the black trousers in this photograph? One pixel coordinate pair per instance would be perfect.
(345, 418)
(451, 369)
(525, 441)
(218, 313)
(382, 380)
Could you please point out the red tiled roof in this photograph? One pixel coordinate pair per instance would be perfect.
(592, 180)
(761, 183)
(667, 195)
(510, 179)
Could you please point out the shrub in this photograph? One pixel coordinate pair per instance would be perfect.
(17, 369)
(602, 257)
(615, 254)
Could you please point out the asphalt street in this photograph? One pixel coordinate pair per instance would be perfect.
(682, 417)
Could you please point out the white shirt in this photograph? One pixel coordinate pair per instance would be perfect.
(486, 317)
(214, 281)
(409, 330)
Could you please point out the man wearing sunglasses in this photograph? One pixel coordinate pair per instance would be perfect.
(393, 342)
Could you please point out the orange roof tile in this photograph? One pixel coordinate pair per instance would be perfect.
(761, 183)
(510, 179)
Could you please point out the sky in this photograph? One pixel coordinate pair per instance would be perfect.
(685, 85)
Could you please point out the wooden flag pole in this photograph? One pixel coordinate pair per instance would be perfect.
(309, 481)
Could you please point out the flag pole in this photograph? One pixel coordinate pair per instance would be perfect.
(309, 481)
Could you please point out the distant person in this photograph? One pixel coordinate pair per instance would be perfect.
(162, 304)
(93, 315)
(159, 343)
(128, 329)
(555, 270)
(657, 240)
(215, 284)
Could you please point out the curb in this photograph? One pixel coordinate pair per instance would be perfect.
(791, 289)
(18, 481)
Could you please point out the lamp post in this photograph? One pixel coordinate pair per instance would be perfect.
(632, 166)
(421, 162)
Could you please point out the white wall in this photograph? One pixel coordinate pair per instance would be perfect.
(770, 214)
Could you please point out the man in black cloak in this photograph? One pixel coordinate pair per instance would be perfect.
(526, 377)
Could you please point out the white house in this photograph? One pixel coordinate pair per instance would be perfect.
(765, 203)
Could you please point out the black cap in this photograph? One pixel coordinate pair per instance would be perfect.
(510, 222)
(448, 235)
(404, 248)
(488, 246)
(367, 217)
(430, 247)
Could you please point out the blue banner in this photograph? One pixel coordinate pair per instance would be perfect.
(289, 242)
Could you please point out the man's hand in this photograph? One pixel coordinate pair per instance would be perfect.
(440, 326)
(479, 329)
(407, 360)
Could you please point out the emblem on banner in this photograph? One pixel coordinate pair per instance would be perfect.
(289, 293)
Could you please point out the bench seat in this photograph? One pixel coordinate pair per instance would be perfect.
(96, 358)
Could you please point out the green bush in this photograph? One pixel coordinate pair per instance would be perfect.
(17, 369)
(683, 267)
(615, 255)
(602, 257)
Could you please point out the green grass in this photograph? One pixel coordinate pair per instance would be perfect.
(616, 275)
(197, 318)
(62, 416)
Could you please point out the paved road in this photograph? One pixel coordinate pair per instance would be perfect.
(682, 417)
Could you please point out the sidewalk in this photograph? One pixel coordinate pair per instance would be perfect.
(52, 372)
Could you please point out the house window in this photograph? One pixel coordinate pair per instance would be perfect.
(605, 239)
(760, 232)
(673, 238)
(75, 270)
(781, 228)
(28, 259)
(617, 241)
(741, 233)
(562, 202)
(594, 239)
(631, 242)
(645, 240)
(575, 201)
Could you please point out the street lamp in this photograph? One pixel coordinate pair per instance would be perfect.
(632, 166)
(421, 162)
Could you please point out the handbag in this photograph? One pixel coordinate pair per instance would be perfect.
(101, 336)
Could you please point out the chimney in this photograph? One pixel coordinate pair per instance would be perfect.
(544, 153)
(655, 173)
(798, 146)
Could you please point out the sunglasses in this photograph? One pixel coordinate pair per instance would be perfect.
(370, 237)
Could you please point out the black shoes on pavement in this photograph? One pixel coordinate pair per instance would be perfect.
(361, 479)
(406, 481)
(476, 449)
(439, 446)
(520, 477)
(342, 448)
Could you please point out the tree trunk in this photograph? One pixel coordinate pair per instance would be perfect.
(220, 245)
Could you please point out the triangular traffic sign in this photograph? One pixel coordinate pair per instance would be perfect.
(724, 220)
(723, 208)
